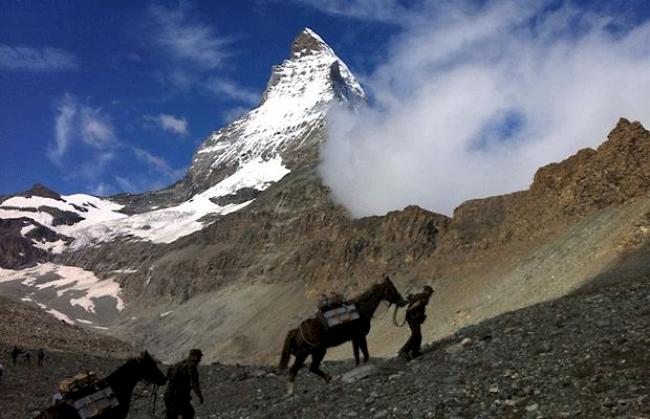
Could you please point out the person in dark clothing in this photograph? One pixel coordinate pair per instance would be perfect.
(415, 316)
(41, 356)
(27, 358)
(182, 378)
(14, 354)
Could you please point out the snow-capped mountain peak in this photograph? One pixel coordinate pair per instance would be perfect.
(311, 72)
(308, 42)
(228, 171)
(290, 117)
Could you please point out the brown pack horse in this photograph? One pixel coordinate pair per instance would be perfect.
(122, 381)
(313, 338)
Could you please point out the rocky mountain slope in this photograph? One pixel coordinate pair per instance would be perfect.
(238, 251)
(245, 279)
(26, 326)
(69, 350)
(581, 356)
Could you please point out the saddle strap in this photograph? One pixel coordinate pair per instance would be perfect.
(302, 336)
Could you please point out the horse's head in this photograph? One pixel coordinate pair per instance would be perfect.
(149, 370)
(390, 293)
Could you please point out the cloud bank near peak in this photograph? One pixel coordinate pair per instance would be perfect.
(471, 103)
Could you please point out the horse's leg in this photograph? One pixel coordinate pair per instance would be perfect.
(293, 371)
(316, 358)
(363, 344)
(355, 350)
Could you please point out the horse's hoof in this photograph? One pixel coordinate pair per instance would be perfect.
(290, 389)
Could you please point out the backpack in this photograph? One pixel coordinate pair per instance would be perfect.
(88, 395)
(77, 383)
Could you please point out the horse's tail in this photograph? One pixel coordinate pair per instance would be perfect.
(286, 350)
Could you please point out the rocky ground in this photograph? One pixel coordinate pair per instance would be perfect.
(29, 327)
(582, 356)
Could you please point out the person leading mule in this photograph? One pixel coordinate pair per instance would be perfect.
(182, 378)
(313, 337)
(415, 316)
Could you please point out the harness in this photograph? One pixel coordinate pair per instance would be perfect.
(302, 336)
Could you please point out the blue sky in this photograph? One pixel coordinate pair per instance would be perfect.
(141, 83)
(468, 98)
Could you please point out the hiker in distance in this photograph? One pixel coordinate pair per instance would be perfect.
(415, 316)
(14, 354)
(182, 378)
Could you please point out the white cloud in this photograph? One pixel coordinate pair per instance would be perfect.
(187, 39)
(36, 59)
(78, 123)
(157, 162)
(101, 189)
(472, 105)
(193, 53)
(86, 142)
(84, 139)
(233, 113)
(232, 90)
(141, 183)
(387, 11)
(62, 129)
(171, 123)
(96, 129)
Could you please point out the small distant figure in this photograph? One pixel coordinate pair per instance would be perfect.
(40, 355)
(14, 354)
(415, 316)
(2, 368)
(181, 379)
(27, 358)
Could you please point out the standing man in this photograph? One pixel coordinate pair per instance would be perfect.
(181, 379)
(41, 356)
(415, 316)
(14, 354)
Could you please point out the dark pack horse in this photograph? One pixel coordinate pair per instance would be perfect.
(313, 338)
(122, 381)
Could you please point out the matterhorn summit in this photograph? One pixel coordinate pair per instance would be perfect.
(288, 124)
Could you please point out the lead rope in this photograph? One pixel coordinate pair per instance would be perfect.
(395, 318)
(395, 312)
(154, 399)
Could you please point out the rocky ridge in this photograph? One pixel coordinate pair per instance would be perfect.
(314, 240)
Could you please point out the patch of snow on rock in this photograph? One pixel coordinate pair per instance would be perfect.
(169, 224)
(71, 278)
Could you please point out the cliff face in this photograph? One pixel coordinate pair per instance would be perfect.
(561, 194)
(294, 232)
